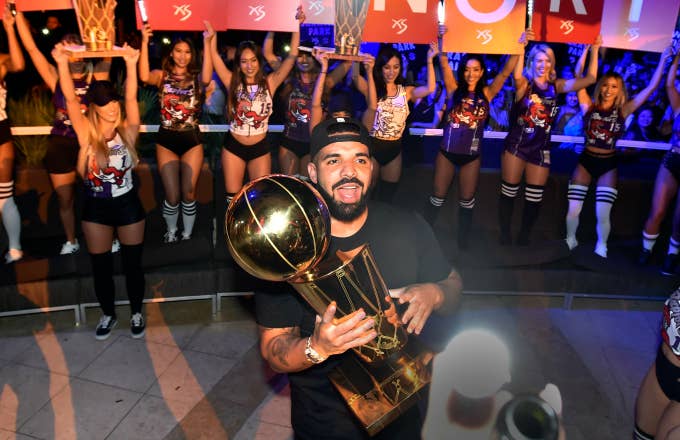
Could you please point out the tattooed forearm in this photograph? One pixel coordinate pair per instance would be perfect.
(279, 346)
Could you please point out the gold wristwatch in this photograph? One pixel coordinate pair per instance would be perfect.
(312, 355)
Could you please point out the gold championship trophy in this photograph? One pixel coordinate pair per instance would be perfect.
(278, 229)
(350, 17)
(96, 22)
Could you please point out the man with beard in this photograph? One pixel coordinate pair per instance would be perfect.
(296, 341)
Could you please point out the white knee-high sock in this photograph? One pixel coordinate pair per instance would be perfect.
(10, 215)
(576, 195)
(170, 214)
(188, 217)
(604, 199)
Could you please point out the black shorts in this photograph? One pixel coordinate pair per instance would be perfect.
(62, 154)
(459, 159)
(299, 148)
(246, 152)
(598, 165)
(5, 131)
(385, 151)
(179, 141)
(668, 376)
(671, 161)
(115, 211)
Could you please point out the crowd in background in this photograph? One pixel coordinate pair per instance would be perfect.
(652, 122)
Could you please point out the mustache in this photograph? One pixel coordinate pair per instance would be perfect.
(346, 180)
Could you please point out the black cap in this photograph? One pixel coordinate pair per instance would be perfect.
(101, 93)
(338, 130)
(306, 46)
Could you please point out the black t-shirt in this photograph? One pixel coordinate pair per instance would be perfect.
(406, 252)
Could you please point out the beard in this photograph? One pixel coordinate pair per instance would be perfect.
(344, 211)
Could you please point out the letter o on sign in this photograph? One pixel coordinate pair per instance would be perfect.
(485, 17)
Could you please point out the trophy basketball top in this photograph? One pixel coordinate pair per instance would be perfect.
(96, 22)
(277, 227)
(350, 18)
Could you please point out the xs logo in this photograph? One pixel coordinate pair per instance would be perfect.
(632, 33)
(257, 10)
(567, 26)
(316, 6)
(484, 35)
(182, 10)
(400, 24)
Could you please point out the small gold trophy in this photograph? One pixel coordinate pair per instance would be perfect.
(278, 229)
(96, 22)
(350, 18)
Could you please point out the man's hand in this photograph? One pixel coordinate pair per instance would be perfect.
(422, 299)
(334, 336)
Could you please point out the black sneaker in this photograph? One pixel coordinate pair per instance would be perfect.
(670, 264)
(644, 257)
(105, 327)
(137, 326)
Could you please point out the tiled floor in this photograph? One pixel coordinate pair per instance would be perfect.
(199, 376)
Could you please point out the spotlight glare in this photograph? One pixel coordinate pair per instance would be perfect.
(286, 48)
(45, 31)
(477, 363)
(166, 41)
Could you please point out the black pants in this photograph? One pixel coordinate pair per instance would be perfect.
(104, 287)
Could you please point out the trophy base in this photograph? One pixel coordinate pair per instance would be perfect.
(333, 54)
(83, 51)
(378, 393)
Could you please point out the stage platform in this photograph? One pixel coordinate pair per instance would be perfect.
(201, 268)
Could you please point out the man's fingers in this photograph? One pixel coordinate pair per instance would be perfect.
(346, 334)
(361, 328)
(329, 314)
(351, 322)
(406, 296)
(409, 313)
(362, 339)
(418, 321)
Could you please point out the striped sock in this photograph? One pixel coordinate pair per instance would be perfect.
(188, 218)
(170, 214)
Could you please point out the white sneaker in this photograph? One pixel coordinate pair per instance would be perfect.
(186, 236)
(13, 255)
(137, 326)
(70, 248)
(115, 246)
(170, 236)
